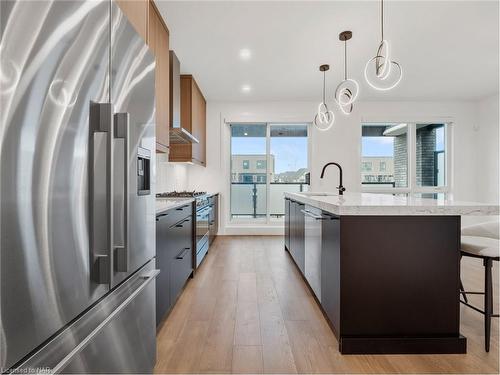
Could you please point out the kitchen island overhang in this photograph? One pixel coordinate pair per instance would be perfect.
(390, 271)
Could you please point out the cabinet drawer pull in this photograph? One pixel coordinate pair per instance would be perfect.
(158, 217)
(180, 256)
(182, 208)
(180, 224)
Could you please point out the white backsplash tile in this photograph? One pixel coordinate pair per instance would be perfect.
(170, 176)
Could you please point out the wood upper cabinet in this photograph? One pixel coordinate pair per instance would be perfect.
(158, 40)
(137, 13)
(193, 119)
(146, 19)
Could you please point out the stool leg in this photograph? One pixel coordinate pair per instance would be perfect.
(488, 302)
(463, 290)
(462, 285)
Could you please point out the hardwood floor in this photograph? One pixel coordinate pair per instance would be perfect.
(249, 311)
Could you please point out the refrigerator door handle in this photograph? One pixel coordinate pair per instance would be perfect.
(147, 276)
(122, 132)
(100, 191)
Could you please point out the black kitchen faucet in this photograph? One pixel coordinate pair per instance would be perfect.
(340, 188)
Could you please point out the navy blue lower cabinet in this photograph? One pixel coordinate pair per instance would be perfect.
(296, 233)
(181, 261)
(174, 256)
(287, 223)
(299, 238)
(330, 269)
(163, 264)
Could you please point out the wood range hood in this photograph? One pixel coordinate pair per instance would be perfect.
(178, 133)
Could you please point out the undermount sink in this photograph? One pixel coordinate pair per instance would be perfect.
(318, 194)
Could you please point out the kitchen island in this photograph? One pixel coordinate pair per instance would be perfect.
(387, 268)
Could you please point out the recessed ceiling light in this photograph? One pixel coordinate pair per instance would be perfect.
(246, 88)
(245, 54)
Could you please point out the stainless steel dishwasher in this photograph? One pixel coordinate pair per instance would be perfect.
(313, 218)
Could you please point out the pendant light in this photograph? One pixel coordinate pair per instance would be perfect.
(325, 118)
(347, 90)
(381, 72)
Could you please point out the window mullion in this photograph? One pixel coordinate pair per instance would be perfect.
(412, 157)
(268, 173)
(448, 157)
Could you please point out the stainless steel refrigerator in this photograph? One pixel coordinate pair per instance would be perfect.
(77, 189)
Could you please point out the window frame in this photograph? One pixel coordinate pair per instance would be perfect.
(268, 219)
(412, 187)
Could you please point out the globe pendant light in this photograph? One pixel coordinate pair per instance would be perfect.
(381, 72)
(325, 118)
(347, 90)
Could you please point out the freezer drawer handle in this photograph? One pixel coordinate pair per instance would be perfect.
(122, 132)
(100, 191)
(147, 276)
(314, 216)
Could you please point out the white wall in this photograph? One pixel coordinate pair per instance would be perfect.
(487, 141)
(475, 146)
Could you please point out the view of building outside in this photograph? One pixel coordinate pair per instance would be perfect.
(384, 157)
(250, 170)
(377, 169)
(384, 160)
(248, 196)
(430, 158)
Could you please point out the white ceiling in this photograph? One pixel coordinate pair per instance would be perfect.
(449, 50)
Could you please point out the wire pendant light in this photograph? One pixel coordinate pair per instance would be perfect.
(325, 118)
(381, 72)
(347, 91)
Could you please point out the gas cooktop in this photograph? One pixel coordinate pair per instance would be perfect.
(181, 194)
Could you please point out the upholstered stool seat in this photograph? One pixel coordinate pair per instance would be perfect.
(488, 230)
(480, 246)
(482, 241)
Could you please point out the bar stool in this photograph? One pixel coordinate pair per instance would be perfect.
(482, 241)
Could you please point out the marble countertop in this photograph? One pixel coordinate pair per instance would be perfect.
(165, 204)
(386, 204)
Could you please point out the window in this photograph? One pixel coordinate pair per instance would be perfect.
(248, 196)
(366, 166)
(411, 158)
(261, 164)
(266, 161)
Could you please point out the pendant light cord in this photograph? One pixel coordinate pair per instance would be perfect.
(345, 59)
(382, 17)
(324, 86)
